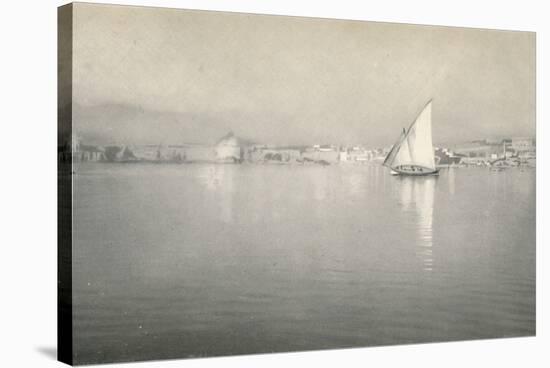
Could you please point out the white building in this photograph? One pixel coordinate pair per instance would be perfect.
(229, 149)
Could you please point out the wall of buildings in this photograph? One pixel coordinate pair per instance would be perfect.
(522, 144)
(200, 154)
(154, 153)
(330, 157)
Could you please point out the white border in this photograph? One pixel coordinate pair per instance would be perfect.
(28, 180)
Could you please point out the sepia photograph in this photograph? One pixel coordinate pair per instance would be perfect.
(233, 183)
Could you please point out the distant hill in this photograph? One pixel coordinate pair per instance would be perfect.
(124, 124)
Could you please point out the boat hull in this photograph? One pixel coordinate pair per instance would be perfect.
(414, 170)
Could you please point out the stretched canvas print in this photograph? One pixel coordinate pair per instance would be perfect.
(238, 184)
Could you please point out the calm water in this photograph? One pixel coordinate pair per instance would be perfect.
(203, 260)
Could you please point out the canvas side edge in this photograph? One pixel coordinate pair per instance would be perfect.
(64, 184)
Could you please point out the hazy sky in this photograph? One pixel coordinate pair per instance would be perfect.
(153, 75)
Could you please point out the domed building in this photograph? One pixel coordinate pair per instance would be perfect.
(230, 149)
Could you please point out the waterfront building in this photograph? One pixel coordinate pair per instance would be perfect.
(200, 153)
(343, 156)
(230, 148)
(479, 152)
(274, 154)
(75, 150)
(329, 157)
(90, 153)
(444, 157)
(327, 148)
(355, 154)
(159, 153)
(522, 144)
(146, 152)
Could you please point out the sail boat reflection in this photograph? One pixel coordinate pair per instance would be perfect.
(451, 179)
(417, 200)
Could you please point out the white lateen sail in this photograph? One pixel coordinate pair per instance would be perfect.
(414, 150)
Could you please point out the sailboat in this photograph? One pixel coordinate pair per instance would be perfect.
(413, 153)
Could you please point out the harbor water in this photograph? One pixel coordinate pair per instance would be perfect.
(197, 260)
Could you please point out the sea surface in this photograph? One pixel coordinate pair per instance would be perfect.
(196, 260)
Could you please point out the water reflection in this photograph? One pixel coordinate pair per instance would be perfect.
(354, 181)
(319, 181)
(210, 176)
(451, 180)
(417, 201)
(220, 179)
